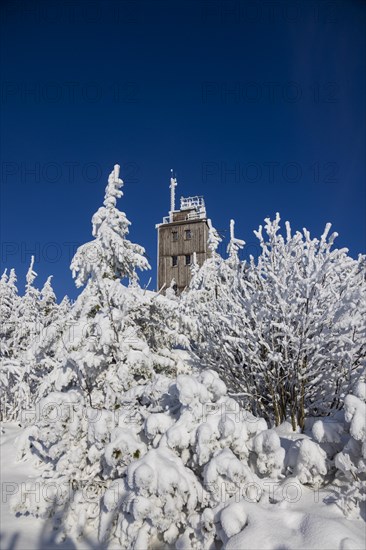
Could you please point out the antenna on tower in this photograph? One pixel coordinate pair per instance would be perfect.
(116, 172)
(173, 185)
(232, 225)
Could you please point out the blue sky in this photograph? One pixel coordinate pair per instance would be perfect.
(258, 106)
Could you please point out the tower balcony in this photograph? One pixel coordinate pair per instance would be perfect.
(191, 208)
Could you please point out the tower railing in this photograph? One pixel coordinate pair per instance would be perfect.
(192, 202)
(195, 207)
(196, 214)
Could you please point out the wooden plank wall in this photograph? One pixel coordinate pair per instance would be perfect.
(168, 248)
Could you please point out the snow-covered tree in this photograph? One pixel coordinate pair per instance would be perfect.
(9, 368)
(234, 246)
(9, 300)
(114, 336)
(29, 314)
(27, 336)
(287, 333)
(103, 332)
(111, 255)
(48, 304)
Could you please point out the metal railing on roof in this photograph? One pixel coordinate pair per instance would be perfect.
(192, 202)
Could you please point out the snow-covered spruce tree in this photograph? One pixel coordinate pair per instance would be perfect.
(9, 300)
(99, 333)
(5, 309)
(48, 304)
(116, 329)
(50, 351)
(287, 334)
(29, 314)
(18, 368)
(23, 334)
(136, 326)
(111, 255)
(10, 372)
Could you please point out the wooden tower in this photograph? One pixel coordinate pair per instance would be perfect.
(182, 233)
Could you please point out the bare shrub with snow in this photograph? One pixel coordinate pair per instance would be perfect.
(287, 331)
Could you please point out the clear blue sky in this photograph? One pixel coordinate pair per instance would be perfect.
(258, 106)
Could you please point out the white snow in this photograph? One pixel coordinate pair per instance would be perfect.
(307, 525)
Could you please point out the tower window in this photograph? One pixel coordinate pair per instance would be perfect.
(188, 259)
(175, 235)
(188, 234)
(174, 261)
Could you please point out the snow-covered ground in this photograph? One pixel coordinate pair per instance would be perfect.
(24, 532)
(304, 521)
(306, 524)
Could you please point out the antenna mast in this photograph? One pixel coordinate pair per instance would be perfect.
(116, 172)
(232, 224)
(173, 185)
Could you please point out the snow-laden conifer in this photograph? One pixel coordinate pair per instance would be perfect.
(9, 300)
(48, 304)
(111, 255)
